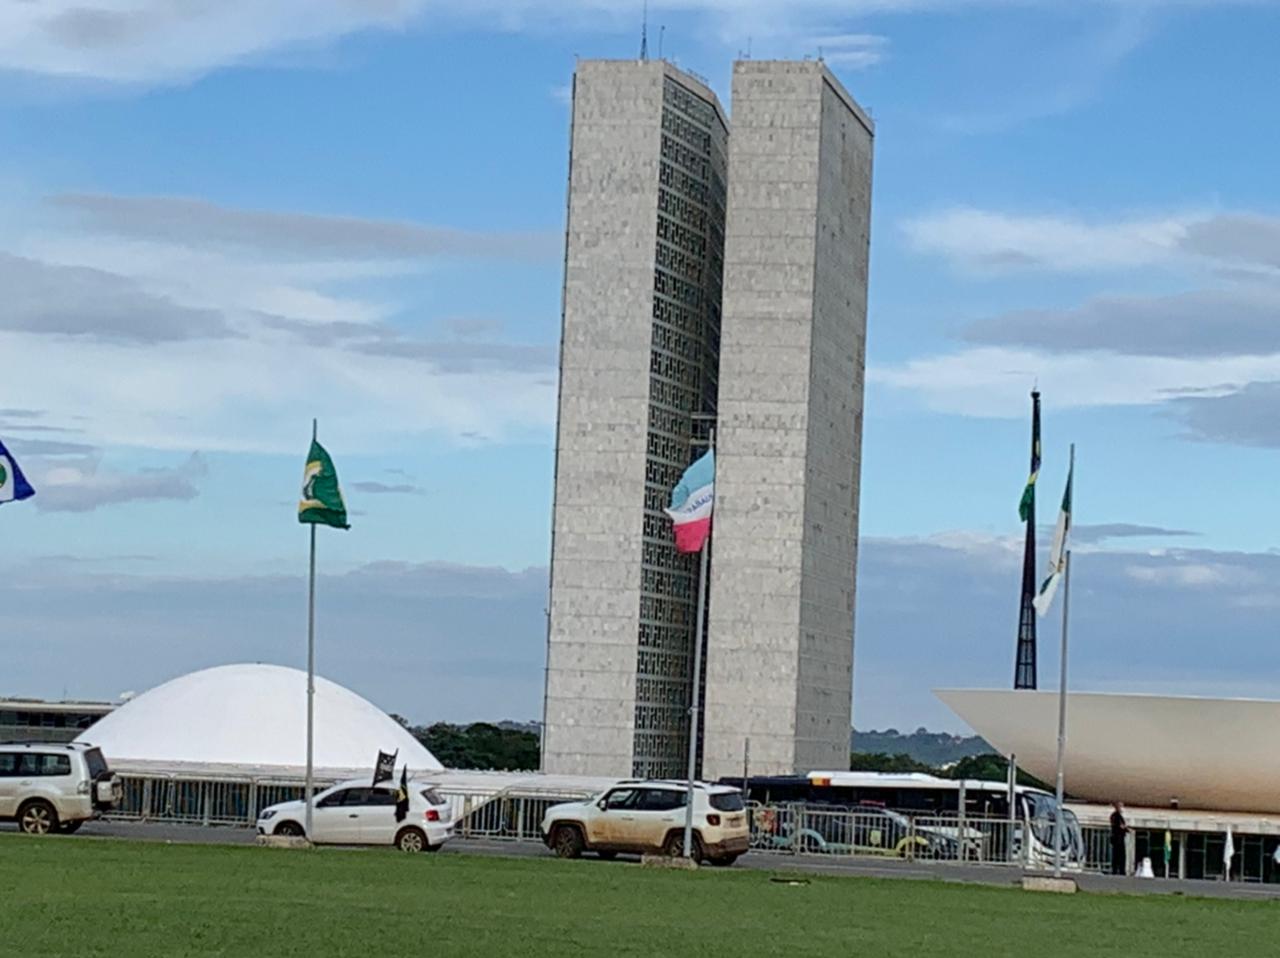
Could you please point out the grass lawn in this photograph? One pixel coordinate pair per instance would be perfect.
(79, 897)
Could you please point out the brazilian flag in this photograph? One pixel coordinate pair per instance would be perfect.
(402, 795)
(1027, 505)
(321, 496)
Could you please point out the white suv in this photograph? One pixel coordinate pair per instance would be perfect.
(47, 788)
(648, 818)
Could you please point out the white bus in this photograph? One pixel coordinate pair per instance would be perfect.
(888, 812)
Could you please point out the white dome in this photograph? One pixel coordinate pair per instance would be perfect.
(253, 715)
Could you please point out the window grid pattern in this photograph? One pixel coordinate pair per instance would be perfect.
(683, 366)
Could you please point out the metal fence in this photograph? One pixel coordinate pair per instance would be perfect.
(808, 830)
(488, 814)
(515, 815)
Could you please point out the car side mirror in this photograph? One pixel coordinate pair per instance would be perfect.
(602, 804)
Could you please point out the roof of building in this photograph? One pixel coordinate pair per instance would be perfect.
(1144, 750)
(252, 715)
(40, 705)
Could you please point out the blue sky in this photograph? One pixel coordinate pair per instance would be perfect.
(219, 221)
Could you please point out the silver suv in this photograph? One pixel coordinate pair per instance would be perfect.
(54, 788)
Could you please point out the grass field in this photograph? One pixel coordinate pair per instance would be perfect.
(78, 897)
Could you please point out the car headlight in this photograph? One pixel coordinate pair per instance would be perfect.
(267, 813)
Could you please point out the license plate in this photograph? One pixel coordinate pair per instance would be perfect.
(735, 821)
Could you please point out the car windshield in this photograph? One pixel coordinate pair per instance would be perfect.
(727, 801)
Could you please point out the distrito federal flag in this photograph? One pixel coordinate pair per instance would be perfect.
(13, 484)
(691, 503)
(321, 496)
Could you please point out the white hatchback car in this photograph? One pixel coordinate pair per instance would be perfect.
(648, 818)
(54, 788)
(355, 813)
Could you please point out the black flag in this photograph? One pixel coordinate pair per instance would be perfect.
(402, 795)
(385, 768)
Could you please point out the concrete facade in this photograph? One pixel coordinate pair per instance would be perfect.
(640, 332)
(780, 647)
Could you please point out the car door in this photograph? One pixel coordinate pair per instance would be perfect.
(660, 810)
(336, 817)
(8, 784)
(378, 825)
(613, 825)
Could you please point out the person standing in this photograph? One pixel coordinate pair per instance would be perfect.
(1119, 828)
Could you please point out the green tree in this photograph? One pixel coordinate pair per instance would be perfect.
(480, 745)
(990, 768)
(883, 762)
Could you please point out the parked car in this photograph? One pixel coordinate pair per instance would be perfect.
(355, 813)
(648, 818)
(54, 788)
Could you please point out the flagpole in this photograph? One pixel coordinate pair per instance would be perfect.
(311, 668)
(697, 684)
(1062, 689)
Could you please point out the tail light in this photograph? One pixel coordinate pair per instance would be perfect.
(713, 819)
(84, 786)
(431, 815)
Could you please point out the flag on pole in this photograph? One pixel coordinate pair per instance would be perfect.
(384, 769)
(1228, 853)
(321, 496)
(13, 484)
(692, 501)
(402, 795)
(1058, 552)
(1028, 501)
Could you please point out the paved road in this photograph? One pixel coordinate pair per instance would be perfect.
(801, 865)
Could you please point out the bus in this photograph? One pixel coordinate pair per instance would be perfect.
(910, 814)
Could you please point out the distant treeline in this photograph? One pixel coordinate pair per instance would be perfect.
(932, 748)
(506, 747)
(989, 767)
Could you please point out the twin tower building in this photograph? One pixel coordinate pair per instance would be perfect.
(715, 278)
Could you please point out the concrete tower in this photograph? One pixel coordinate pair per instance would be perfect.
(780, 646)
(638, 360)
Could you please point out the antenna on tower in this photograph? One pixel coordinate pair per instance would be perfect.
(662, 31)
(644, 32)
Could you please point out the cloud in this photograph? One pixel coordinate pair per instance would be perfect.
(382, 488)
(942, 611)
(84, 486)
(855, 51)
(1102, 532)
(197, 326)
(50, 447)
(989, 242)
(993, 381)
(431, 641)
(1248, 416)
(985, 241)
(1238, 321)
(84, 303)
(184, 220)
(1246, 239)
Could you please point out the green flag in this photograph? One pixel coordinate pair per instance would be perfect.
(321, 495)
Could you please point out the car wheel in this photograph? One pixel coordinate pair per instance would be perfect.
(411, 840)
(608, 856)
(673, 847)
(288, 830)
(724, 861)
(37, 818)
(70, 828)
(567, 841)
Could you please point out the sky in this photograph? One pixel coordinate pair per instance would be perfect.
(218, 221)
